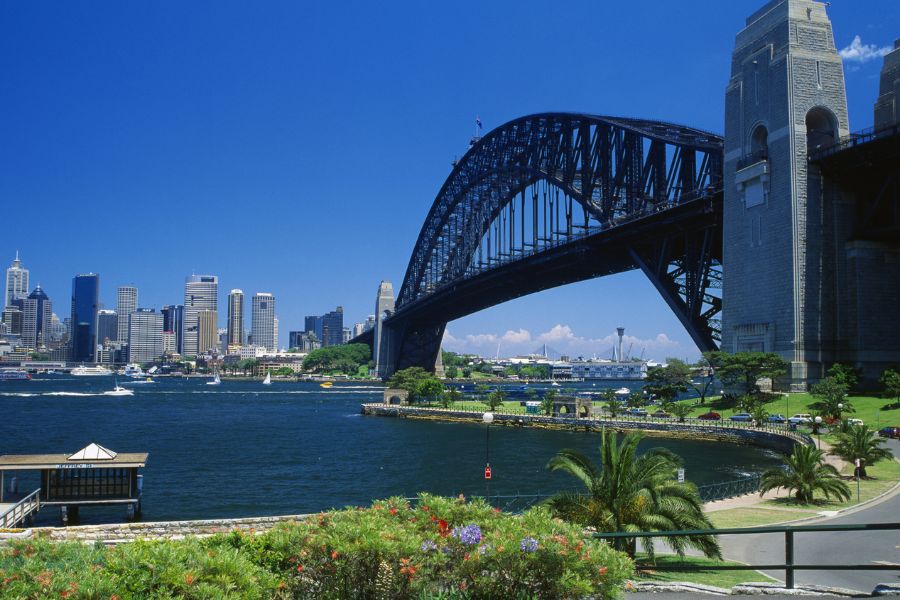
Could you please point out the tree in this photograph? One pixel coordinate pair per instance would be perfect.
(481, 392)
(760, 414)
(636, 400)
(669, 381)
(746, 368)
(547, 402)
(345, 358)
(706, 373)
(452, 372)
(627, 492)
(451, 396)
(495, 399)
(419, 383)
(845, 374)
(680, 410)
(829, 393)
(804, 473)
(859, 442)
(890, 379)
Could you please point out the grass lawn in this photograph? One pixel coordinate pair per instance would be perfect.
(754, 517)
(708, 576)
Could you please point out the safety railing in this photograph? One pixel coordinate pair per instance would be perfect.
(21, 509)
(789, 566)
(855, 139)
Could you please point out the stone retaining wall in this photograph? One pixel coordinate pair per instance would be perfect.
(127, 532)
(765, 438)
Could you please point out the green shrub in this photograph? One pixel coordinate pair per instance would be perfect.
(437, 548)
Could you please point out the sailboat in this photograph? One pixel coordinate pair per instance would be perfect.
(215, 381)
(268, 379)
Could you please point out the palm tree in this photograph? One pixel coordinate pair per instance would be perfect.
(804, 472)
(547, 402)
(859, 442)
(631, 493)
(681, 410)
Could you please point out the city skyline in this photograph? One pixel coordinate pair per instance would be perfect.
(198, 146)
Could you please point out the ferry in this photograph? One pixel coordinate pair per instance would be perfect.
(83, 371)
(326, 384)
(14, 375)
(133, 370)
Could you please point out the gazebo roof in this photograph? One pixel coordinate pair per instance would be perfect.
(93, 452)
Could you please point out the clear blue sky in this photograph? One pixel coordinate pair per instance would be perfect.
(297, 147)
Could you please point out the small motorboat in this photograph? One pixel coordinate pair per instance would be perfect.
(326, 384)
(623, 391)
(215, 381)
(119, 391)
(554, 384)
(268, 379)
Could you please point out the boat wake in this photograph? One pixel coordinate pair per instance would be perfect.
(71, 394)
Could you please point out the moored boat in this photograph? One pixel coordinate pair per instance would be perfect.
(83, 371)
(14, 375)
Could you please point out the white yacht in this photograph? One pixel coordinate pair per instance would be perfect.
(83, 371)
(119, 391)
(134, 370)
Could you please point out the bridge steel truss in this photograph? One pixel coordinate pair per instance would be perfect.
(554, 198)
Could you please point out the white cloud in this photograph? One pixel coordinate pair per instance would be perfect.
(859, 52)
(563, 340)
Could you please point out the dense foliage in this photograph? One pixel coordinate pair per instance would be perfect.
(831, 397)
(346, 358)
(667, 382)
(437, 548)
(627, 492)
(745, 369)
(421, 385)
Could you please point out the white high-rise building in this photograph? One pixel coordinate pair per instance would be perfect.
(263, 320)
(236, 318)
(145, 335)
(275, 331)
(126, 303)
(200, 294)
(16, 282)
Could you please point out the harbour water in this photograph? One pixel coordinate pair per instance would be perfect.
(244, 449)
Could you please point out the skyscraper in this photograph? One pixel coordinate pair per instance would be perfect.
(37, 312)
(263, 320)
(207, 331)
(126, 303)
(236, 318)
(108, 326)
(313, 324)
(16, 282)
(200, 294)
(173, 323)
(145, 335)
(85, 303)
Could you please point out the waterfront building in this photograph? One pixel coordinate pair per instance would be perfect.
(275, 331)
(333, 327)
(16, 282)
(126, 303)
(200, 294)
(108, 327)
(235, 318)
(173, 323)
(358, 329)
(251, 351)
(12, 317)
(145, 335)
(169, 341)
(207, 331)
(263, 320)
(85, 304)
(605, 369)
(37, 312)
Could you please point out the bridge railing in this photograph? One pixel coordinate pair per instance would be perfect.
(855, 139)
(789, 566)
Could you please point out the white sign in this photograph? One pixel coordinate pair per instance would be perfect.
(680, 475)
(856, 462)
(75, 466)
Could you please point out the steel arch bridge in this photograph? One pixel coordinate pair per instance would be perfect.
(556, 198)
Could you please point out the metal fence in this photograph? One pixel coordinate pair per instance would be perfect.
(729, 489)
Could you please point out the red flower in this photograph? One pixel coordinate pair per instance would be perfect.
(393, 511)
(334, 554)
(425, 508)
(189, 579)
(299, 568)
(443, 528)
(603, 571)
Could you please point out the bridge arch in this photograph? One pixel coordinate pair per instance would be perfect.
(555, 198)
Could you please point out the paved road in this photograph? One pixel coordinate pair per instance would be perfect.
(831, 547)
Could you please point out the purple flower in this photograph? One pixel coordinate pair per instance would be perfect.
(428, 545)
(469, 535)
(482, 549)
(528, 544)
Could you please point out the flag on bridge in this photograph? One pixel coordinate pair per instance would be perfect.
(478, 122)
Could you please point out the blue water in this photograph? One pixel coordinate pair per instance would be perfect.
(244, 449)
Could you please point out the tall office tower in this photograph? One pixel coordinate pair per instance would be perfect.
(346, 334)
(222, 340)
(16, 281)
(236, 318)
(382, 350)
(12, 317)
(295, 339)
(57, 329)
(333, 327)
(200, 294)
(782, 230)
(85, 304)
(108, 327)
(37, 313)
(207, 331)
(263, 320)
(173, 323)
(313, 324)
(369, 324)
(275, 331)
(126, 303)
(358, 329)
(145, 335)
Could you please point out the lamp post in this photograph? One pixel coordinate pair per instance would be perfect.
(488, 418)
(818, 432)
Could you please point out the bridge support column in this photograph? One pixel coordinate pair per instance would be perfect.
(785, 98)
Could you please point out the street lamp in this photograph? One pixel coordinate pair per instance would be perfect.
(818, 432)
(488, 418)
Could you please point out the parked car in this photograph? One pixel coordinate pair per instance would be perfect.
(637, 412)
(800, 418)
(889, 432)
(777, 419)
(661, 414)
(744, 417)
(855, 422)
(711, 416)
